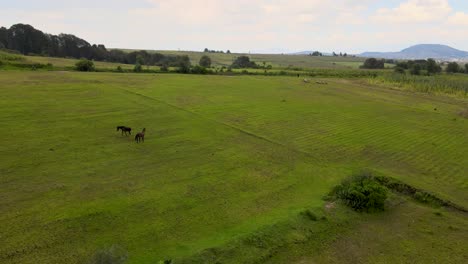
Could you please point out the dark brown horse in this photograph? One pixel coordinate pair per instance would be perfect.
(124, 130)
(140, 136)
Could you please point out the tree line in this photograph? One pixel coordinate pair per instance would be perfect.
(30, 41)
(415, 67)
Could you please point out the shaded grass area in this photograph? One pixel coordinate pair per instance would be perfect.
(223, 157)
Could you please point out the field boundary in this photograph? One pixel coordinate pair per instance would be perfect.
(418, 194)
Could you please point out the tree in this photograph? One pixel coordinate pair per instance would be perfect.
(466, 68)
(362, 193)
(228, 52)
(140, 59)
(3, 36)
(373, 63)
(243, 62)
(85, 65)
(399, 69)
(433, 67)
(206, 50)
(453, 67)
(183, 64)
(205, 61)
(416, 69)
(316, 53)
(198, 69)
(138, 67)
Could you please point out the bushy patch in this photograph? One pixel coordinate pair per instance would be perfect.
(85, 65)
(197, 69)
(362, 193)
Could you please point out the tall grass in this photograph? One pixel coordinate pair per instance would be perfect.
(454, 85)
(5, 56)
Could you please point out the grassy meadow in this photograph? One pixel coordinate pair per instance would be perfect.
(228, 165)
(297, 63)
(282, 61)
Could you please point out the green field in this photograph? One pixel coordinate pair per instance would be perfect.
(281, 61)
(227, 165)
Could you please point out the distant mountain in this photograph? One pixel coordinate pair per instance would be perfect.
(422, 51)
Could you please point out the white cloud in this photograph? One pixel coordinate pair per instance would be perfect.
(458, 19)
(414, 11)
(243, 25)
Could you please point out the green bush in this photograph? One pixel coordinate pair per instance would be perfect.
(399, 69)
(85, 65)
(362, 193)
(138, 67)
(199, 70)
(205, 61)
(164, 68)
(453, 67)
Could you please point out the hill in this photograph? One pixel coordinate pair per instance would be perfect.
(421, 51)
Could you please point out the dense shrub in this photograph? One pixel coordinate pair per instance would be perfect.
(453, 67)
(243, 62)
(137, 68)
(416, 69)
(199, 70)
(432, 67)
(362, 193)
(205, 61)
(373, 63)
(399, 69)
(85, 65)
(164, 68)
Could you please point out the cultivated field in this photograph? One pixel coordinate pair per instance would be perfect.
(276, 60)
(227, 167)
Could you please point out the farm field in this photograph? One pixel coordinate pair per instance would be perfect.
(276, 60)
(223, 157)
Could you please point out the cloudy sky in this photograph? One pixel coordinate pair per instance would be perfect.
(249, 25)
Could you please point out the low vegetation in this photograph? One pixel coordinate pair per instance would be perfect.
(362, 193)
(451, 85)
(85, 65)
(373, 63)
